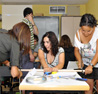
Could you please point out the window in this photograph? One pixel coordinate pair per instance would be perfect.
(57, 10)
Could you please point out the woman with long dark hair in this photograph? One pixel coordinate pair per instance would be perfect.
(66, 44)
(50, 55)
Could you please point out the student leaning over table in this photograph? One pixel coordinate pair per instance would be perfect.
(86, 49)
(50, 55)
(11, 43)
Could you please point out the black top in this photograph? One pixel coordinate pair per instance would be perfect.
(69, 56)
(9, 49)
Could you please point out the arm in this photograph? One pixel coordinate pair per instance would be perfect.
(94, 61)
(14, 59)
(7, 63)
(77, 53)
(42, 60)
(61, 62)
(31, 56)
(35, 54)
(30, 18)
(78, 57)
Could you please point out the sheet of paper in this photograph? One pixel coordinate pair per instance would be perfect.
(64, 74)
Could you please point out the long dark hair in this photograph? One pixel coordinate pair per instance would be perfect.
(54, 42)
(65, 42)
(22, 33)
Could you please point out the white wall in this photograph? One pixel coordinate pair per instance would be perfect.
(69, 26)
(12, 14)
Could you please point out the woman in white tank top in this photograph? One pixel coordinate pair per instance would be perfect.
(86, 49)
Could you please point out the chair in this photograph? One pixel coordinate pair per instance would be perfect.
(5, 72)
(72, 65)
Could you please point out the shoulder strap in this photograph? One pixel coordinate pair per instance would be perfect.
(78, 35)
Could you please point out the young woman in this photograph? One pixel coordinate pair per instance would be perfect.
(50, 55)
(66, 44)
(12, 43)
(86, 49)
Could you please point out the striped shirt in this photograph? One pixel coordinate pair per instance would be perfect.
(26, 21)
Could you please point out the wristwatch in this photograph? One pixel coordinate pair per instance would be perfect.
(91, 64)
(34, 24)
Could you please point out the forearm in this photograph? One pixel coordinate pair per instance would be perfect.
(44, 64)
(59, 66)
(34, 27)
(78, 58)
(95, 59)
(35, 30)
(31, 56)
(35, 54)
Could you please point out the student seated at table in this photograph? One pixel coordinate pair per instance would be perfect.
(36, 62)
(66, 44)
(51, 56)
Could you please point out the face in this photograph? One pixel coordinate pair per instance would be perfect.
(47, 43)
(35, 42)
(86, 30)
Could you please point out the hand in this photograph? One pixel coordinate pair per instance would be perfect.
(88, 70)
(7, 63)
(20, 74)
(47, 69)
(30, 18)
(54, 69)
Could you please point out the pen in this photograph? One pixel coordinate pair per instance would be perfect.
(81, 79)
(47, 73)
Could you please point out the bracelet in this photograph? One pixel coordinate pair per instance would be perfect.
(91, 64)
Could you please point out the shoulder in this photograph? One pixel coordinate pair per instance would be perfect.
(61, 49)
(40, 48)
(96, 31)
(77, 35)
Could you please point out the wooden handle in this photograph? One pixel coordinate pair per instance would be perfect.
(62, 70)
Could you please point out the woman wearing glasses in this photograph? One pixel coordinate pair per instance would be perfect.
(86, 49)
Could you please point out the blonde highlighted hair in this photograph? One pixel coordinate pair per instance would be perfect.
(22, 33)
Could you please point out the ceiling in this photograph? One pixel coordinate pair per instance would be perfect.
(43, 2)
